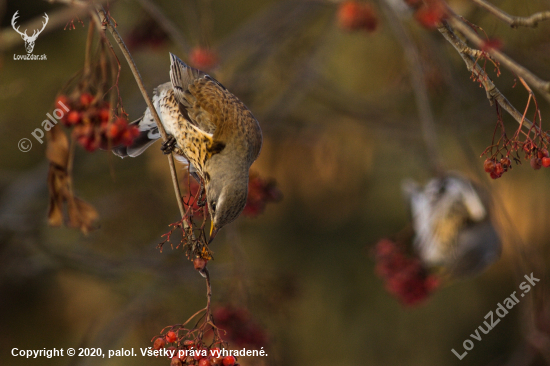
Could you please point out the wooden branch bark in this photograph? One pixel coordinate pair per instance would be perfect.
(493, 94)
(116, 36)
(542, 86)
(514, 21)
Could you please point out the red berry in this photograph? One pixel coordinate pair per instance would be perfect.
(171, 337)
(62, 100)
(494, 175)
(205, 362)
(506, 163)
(73, 118)
(199, 263)
(104, 115)
(215, 361)
(546, 162)
(86, 99)
(489, 165)
(175, 362)
(499, 169)
(188, 343)
(229, 361)
(113, 131)
(536, 163)
(353, 16)
(159, 343)
(542, 153)
(203, 58)
(431, 13)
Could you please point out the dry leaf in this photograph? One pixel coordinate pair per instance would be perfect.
(80, 214)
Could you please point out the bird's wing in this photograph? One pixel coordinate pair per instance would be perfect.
(209, 106)
(199, 113)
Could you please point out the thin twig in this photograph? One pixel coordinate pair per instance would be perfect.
(542, 86)
(493, 94)
(514, 21)
(137, 76)
(416, 70)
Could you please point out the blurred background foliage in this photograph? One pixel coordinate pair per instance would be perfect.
(340, 134)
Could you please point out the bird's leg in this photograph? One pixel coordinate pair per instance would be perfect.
(169, 145)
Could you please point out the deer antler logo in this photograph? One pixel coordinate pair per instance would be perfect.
(29, 41)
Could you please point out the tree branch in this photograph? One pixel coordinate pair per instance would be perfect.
(514, 21)
(493, 94)
(542, 86)
(137, 76)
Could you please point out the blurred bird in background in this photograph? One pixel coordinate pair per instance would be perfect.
(211, 130)
(452, 225)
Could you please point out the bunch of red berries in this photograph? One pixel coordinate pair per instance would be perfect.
(404, 277)
(538, 158)
(354, 16)
(497, 168)
(188, 352)
(203, 58)
(239, 327)
(429, 13)
(90, 119)
(260, 193)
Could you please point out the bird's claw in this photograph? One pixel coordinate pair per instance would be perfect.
(169, 145)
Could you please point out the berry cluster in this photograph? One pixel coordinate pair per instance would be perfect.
(404, 277)
(203, 58)
(188, 352)
(90, 119)
(429, 13)
(497, 168)
(537, 158)
(354, 16)
(239, 327)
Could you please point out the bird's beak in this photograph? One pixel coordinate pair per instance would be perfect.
(213, 231)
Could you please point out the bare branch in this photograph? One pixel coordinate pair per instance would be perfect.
(137, 76)
(542, 86)
(493, 94)
(514, 21)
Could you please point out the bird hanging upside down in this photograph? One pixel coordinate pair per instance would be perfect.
(452, 224)
(211, 130)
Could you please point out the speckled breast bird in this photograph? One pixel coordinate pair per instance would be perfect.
(452, 225)
(210, 129)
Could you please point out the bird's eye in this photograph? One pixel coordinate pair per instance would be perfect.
(213, 206)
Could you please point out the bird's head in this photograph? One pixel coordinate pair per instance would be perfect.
(226, 195)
